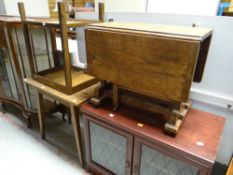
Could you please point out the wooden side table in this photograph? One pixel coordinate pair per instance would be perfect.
(126, 142)
(72, 101)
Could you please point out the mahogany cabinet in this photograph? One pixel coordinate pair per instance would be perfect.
(127, 142)
(14, 67)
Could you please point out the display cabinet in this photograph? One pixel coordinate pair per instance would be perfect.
(13, 69)
(60, 73)
(152, 65)
(122, 143)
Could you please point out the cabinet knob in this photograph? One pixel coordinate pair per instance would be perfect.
(127, 164)
(135, 169)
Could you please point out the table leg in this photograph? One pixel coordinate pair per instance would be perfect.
(77, 132)
(41, 113)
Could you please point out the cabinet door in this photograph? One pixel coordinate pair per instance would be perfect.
(9, 84)
(108, 150)
(152, 159)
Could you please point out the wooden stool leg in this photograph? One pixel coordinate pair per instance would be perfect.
(115, 96)
(77, 132)
(41, 113)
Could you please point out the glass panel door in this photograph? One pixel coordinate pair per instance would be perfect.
(150, 159)
(109, 150)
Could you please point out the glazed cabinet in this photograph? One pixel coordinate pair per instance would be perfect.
(110, 150)
(122, 143)
(14, 67)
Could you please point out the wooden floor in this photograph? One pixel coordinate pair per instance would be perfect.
(78, 77)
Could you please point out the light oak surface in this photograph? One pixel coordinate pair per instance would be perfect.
(73, 102)
(230, 168)
(75, 99)
(78, 77)
(195, 33)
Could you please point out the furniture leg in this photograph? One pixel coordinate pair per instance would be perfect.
(115, 96)
(3, 107)
(77, 132)
(41, 114)
(29, 122)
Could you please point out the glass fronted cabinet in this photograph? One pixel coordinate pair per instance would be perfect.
(14, 67)
(125, 142)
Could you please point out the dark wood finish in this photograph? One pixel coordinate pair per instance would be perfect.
(1, 38)
(7, 25)
(199, 71)
(156, 61)
(204, 168)
(142, 62)
(93, 166)
(197, 141)
(26, 113)
(68, 83)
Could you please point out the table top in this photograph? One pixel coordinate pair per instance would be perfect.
(55, 22)
(199, 135)
(75, 99)
(175, 31)
(46, 21)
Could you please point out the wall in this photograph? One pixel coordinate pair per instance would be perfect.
(123, 5)
(2, 7)
(190, 7)
(34, 8)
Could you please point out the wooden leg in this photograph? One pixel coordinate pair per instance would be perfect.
(174, 122)
(100, 95)
(41, 113)
(69, 117)
(3, 107)
(29, 122)
(77, 132)
(115, 96)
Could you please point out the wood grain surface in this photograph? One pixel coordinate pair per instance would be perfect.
(194, 33)
(75, 99)
(158, 67)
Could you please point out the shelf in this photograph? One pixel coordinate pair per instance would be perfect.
(55, 78)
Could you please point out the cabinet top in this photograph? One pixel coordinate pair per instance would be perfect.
(198, 137)
(174, 31)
